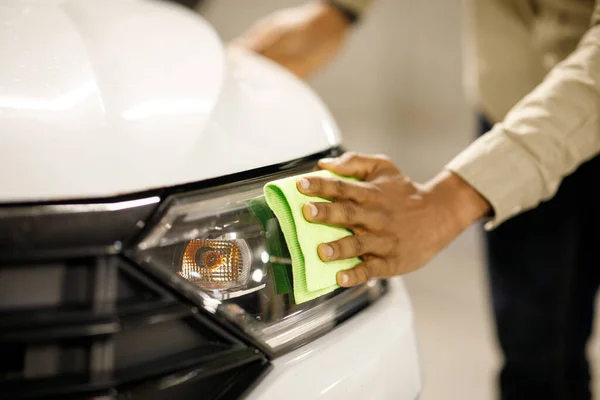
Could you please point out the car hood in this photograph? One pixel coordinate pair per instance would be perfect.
(107, 97)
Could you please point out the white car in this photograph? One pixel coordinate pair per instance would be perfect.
(137, 257)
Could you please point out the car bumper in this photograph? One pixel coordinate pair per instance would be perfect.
(371, 356)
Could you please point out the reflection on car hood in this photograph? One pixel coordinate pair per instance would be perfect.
(107, 97)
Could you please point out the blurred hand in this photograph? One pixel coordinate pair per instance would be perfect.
(398, 225)
(301, 39)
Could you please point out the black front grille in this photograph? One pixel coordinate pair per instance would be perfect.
(97, 326)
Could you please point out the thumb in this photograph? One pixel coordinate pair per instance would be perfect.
(356, 165)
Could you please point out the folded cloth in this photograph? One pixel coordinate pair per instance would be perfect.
(311, 276)
(276, 248)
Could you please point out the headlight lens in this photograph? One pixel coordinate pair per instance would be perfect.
(227, 244)
(216, 264)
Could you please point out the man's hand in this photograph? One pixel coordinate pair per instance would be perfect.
(398, 225)
(301, 39)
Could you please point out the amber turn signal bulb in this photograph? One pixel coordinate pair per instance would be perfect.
(213, 264)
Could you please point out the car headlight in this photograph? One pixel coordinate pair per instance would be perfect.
(226, 246)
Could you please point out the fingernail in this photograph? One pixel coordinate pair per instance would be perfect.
(327, 160)
(313, 210)
(304, 183)
(344, 278)
(327, 251)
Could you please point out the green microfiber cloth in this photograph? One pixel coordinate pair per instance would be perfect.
(282, 273)
(311, 276)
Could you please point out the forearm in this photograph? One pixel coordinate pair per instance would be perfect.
(460, 204)
(553, 130)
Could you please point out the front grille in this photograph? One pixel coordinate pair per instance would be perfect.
(79, 320)
(96, 326)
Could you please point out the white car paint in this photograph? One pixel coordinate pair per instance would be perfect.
(100, 98)
(106, 97)
(371, 356)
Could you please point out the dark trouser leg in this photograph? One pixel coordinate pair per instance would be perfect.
(544, 275)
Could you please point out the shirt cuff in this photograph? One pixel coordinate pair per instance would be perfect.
(354, 9)
(502, 172)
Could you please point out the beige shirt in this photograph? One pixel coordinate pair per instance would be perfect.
(535, 66)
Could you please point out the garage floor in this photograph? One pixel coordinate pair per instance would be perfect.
(397, 89)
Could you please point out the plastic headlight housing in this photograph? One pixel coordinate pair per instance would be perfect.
(225, 246)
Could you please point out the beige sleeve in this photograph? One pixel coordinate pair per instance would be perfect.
(545, 137)
(357, 6)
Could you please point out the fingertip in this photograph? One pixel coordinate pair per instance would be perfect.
(310, 211)
(303, 185)
(325, 252)
(343, 279)
(327, 163)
